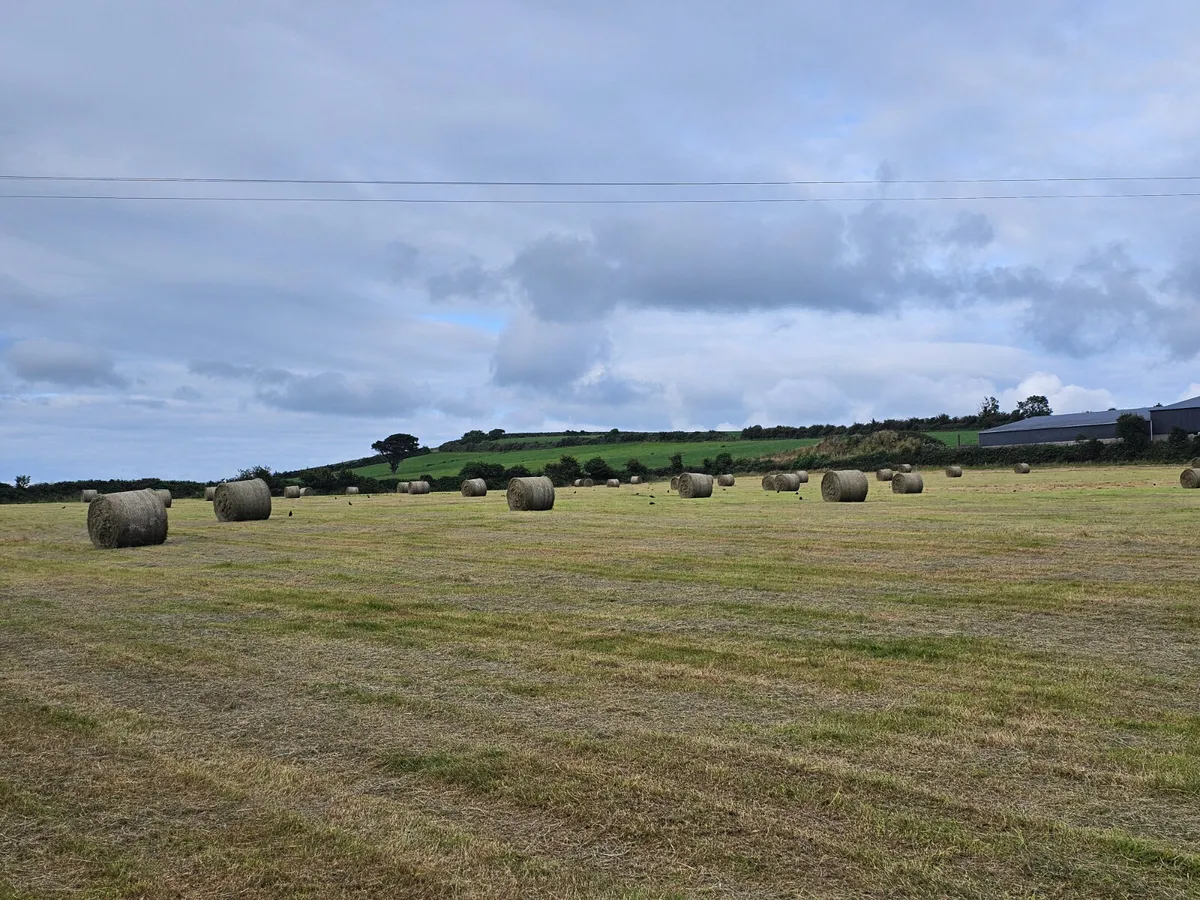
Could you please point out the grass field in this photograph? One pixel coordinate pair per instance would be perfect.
(653, 454)
(956, 438)
(988, 690)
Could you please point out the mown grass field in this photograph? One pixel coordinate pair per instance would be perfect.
(653, 454)
(956, 438)
(988, 690)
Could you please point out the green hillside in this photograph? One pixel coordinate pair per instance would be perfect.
(651, 453)
(956, 438)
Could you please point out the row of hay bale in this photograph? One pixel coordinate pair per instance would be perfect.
(784, 481)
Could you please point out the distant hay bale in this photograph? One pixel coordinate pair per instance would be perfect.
(846, 486)
(884, 475)
(1021, 468)
(89, 495)
(165, 496)
(587, 482)
(1196, 463)
(1190, 477)
(954, 471)
(352, 490)
(674, 482)
(802, 475)
(613, 482)
(788, 481)
(242, 501)
(725, 480)
(695, 485)
(905, 468)
(474, 487)
(291, 492)
(127, 519)
(402, 487)
(578, 482)
(908, 483)
(534, 494)
(307, 492)
(419, 487)
(768, 483)
(635, 479)
(210, 492)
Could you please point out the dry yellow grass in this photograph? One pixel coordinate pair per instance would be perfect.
(986, 690)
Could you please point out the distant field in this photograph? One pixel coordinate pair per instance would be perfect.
(984, 691)
(652, 454)
(956, 438)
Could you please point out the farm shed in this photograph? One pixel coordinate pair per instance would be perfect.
(1099, 425)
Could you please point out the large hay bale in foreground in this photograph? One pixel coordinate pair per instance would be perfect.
(954, 471)
(1190, 477)
(127, 519)
(352, 490)
(419, 487)
(845, 486)
(165, 496)
(635, 479)
(88, 495)
(291, 492)
(884, 475)
(905, 468)
(725, 480)
(613, 482)
(908, 483)
(242, 501)
(674, 483)
(788, 481)
(695, 485)
(210, 492)
(1021, 468)
(768, 483)
(534, 494)
(474, 487)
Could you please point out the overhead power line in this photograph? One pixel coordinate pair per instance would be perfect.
(597, 201)
(389, 182)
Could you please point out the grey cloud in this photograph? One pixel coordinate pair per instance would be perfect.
(234, 372)
(403, 258)
(332, 393)
(187, 394)
(63, 364)
(970, 229)
(546, 355)
(471, 280)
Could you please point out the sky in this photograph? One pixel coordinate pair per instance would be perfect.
(193, 338)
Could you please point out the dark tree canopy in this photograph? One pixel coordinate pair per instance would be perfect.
(22, 481)
(1033, 405)
(1133, 430)
(598, 469)
(396, 448)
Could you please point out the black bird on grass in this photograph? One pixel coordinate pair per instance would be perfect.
(349, 502)
(289, 513)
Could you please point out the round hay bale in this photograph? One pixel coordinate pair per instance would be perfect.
(846, 486)
(291, 492)
(1021, 468)
(352, 490)
(694, 485)
(1190, 477)
(884, 475)
(905, 468)
(674, 483)
(635, 479)
(533, 494)
(1195, 463)
(127, 519)
(210, 492)
(613, 482)
(419, 487)
(89, 495)
(474, 487)
(165, 496)
(908, 483)
(402, 487)
(954, 471)
(587, 482)
(578, 482)
(242, 501)
(725, 480)
(788, 481)
(307, 492)
(768, 483)
(802, 475)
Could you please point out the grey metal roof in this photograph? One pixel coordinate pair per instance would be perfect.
(1190, 403)
(1070, 420)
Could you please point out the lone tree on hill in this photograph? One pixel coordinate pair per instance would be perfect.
(396, 448)
(22, 481)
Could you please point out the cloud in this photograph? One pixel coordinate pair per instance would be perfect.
(63, 364)
(187, 394)
(546, 355)
(332, 393)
